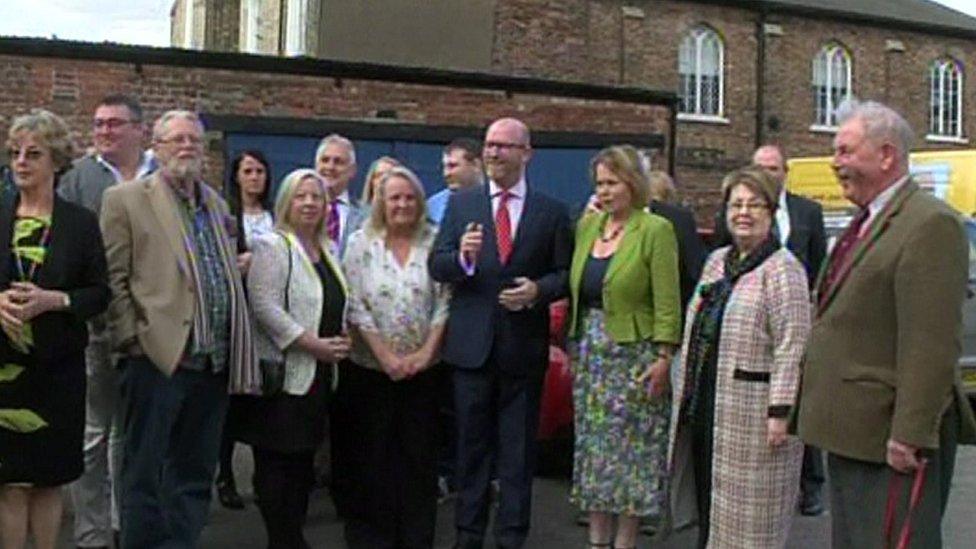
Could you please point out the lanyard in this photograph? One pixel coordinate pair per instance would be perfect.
(24, 274)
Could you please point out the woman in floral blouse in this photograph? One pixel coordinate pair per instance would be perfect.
(397, 314)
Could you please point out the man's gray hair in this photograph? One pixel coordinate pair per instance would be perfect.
(881, 123)
(159, 128)
(336, 139)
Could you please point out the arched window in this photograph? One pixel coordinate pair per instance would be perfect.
(831, 83)
(700, 64)
(945, 98)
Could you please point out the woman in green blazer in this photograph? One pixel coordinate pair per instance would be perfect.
(625, 324)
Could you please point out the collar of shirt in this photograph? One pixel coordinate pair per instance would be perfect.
(147, 165)
(783, 218)
(882, 200)
(343, 199)
(517, 191)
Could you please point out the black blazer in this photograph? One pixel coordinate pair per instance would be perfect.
(807, 241)
(691, 249)
(75, 264)
(478, 326)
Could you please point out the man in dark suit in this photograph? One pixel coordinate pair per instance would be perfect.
(691, 250)
(505, 249)
(800, 226)
(881, 388)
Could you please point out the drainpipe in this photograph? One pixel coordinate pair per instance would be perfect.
(760, 78)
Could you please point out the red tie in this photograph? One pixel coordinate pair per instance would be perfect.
(841, 254)
(503, 228)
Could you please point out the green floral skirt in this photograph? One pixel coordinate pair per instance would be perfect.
(620, 458)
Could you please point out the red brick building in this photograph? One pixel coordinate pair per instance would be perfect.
(744, 72)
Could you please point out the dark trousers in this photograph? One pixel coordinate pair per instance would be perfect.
(395, 506)
(447, 453)
(497, 417)
(172, 431)
(282, 482)
(343, 440)
(812, 473)
(859, 493)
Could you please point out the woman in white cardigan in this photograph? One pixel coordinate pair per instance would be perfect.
(297, 295)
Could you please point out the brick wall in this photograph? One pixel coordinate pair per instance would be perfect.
(72, 89)
(635, 42)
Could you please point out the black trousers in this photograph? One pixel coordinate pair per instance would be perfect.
(497, 421)
(396, 425)
(282, 482)
(812, 473)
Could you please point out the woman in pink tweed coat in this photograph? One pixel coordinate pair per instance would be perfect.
(746, 330)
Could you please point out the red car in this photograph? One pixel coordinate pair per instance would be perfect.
(555, 434)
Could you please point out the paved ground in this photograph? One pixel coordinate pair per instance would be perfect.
(553, 526)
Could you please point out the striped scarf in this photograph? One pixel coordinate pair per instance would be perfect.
(244, 376)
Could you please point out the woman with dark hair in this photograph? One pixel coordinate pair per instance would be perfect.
(248, 190)
(52, 279)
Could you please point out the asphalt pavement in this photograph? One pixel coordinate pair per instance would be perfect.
(553, 520)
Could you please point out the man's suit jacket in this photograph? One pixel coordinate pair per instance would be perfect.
(358, 214)
(691, 249)
(153, 295)
(882, 357)
(75, 264)
(478, 326)
(807, 240)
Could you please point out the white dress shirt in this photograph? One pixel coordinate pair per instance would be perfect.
(879, 202)
(783, 219)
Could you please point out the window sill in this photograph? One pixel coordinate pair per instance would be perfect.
(702, 118)
(817, 128)
(947, 139)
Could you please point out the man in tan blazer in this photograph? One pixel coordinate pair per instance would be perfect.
(179, 317)
(878, 389)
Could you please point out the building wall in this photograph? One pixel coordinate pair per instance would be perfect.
(441, 33)
(635, 43)
(72, 89)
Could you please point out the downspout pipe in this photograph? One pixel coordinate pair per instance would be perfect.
(760, 132)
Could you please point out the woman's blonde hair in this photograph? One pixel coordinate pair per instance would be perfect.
(50, 130)
(286, 192)
(625, 162)
(662, 187)
(377, 216)
(373, 173)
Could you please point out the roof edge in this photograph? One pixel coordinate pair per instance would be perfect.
(149, 55)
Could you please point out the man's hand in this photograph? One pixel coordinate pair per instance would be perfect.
(520, 296)
(471, 240)
(776, 431)
(902, 457)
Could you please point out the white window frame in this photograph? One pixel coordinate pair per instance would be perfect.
(295, 39)
(188, 10)
(823, 75)
(945, 78)
(696, 41)
(250, 26)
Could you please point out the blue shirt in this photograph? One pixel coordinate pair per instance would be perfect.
(437, 205)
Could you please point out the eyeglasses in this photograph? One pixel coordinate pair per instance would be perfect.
(747, 206)
(29, 154)
(111, 123)
(504, 146)
(183, 139)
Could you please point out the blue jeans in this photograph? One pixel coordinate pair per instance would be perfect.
(172, 429)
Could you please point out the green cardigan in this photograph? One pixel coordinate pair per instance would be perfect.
(641, 293)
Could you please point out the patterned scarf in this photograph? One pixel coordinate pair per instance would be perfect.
(706, 329)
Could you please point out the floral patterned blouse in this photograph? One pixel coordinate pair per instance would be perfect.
(401, 303)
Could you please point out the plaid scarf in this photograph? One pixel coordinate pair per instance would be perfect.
(706, 329)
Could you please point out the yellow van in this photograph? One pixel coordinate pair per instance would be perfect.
(949, 175)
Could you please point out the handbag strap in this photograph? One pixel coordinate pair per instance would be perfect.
(288, 278)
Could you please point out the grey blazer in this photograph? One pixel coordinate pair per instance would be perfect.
(274, 329)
